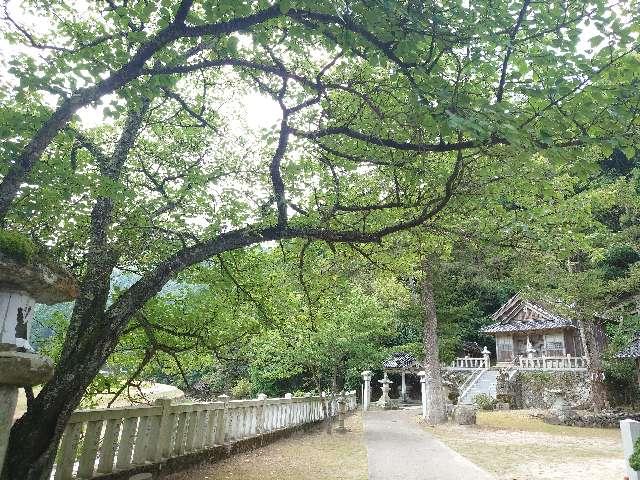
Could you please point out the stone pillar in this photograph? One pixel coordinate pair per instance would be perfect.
(403, 391)
(221, 428)
(630, 431)
(487, 358)
(366, 396)
(342, 408)
(423, 391)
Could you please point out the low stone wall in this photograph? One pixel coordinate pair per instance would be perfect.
(531, 389)
(606, 419)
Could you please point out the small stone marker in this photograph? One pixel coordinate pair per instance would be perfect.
(464, 415)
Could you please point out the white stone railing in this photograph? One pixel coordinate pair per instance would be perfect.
(469, 363)
(552, 363)
(469, 382)
(99, 442)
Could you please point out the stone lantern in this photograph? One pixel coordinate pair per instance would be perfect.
(22, 285)
(385, 401)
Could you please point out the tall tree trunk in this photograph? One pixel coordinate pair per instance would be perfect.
(435, 398)
(593, 352)
(592, 349)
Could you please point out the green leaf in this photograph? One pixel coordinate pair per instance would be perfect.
(629, 152)
(595, 41)
(285, 6)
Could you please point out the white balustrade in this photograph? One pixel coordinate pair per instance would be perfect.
(98, 442)
(469, 363)
(567, 362)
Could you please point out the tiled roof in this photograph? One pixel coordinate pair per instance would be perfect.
(632, 350)
(527, 326)
(401, 360)
(506, 314)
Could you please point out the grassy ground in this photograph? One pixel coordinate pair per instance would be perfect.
(303, 456)
(514, 446)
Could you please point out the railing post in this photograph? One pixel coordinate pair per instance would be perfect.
(162, 447)
(630, 431)
(289, 410)
(486, 356)
(222, 420)
(262, 398)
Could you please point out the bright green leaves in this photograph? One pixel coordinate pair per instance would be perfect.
(284, 6)
(596, 41)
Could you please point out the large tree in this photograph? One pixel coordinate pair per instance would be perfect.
(384, 110)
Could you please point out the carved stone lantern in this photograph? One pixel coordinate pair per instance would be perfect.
(22, 285)
(385, 401)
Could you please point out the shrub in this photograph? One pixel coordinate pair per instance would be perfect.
(484, 402)
(634, 459)
(243, 389)
(17, 246)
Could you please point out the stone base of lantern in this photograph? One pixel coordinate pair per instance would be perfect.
(17, 370)
(387, 404)
(22, 369)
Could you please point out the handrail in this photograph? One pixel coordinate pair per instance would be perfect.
(470, 381)
(102, 441)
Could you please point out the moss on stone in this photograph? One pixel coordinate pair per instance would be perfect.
(17, 246)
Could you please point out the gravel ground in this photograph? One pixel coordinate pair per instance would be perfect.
(303, 456)
(514, 446)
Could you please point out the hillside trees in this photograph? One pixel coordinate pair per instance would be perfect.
(385, 109)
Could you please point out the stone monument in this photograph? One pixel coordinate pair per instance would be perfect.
(560, 411)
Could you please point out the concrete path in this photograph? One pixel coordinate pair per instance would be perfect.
(400, 449)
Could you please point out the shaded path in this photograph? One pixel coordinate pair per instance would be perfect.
(400, 449)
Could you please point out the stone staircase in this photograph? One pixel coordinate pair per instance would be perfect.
(485, 383)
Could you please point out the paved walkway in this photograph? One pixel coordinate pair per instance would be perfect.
(400, 449)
